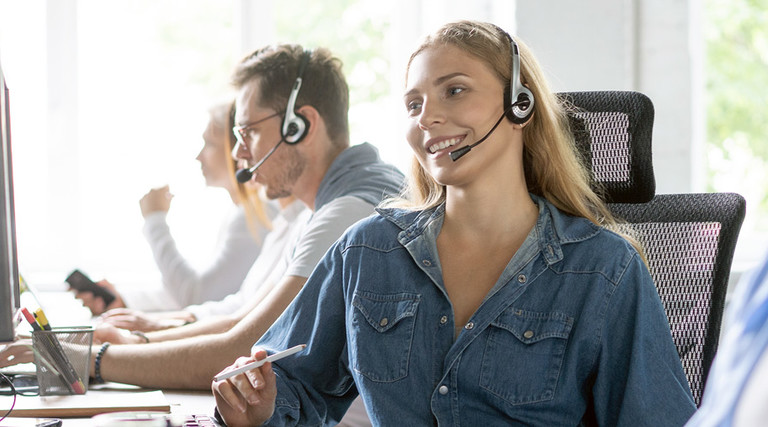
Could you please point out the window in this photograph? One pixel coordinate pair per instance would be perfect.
(736, 87)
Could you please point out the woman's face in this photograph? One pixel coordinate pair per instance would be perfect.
(453, 99)
(213, 157)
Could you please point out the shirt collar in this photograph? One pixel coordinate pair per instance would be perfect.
(552, 230)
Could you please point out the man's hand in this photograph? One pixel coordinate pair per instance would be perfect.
(19, 351)
(135, 320)
(105, 332)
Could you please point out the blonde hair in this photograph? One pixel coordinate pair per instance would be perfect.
(223, 116)
(553, 167)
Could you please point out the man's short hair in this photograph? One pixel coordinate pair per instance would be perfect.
(323, 84)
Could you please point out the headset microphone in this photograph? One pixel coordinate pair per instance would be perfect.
(244, 175)
(457, 154)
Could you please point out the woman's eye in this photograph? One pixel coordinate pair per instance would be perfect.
(413, 106)
(455, 91)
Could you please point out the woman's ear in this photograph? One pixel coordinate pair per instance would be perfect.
(524, 124)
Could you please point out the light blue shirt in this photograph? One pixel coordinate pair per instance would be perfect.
(743, 345)
(573, 333)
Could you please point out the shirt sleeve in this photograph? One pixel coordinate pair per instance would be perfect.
(325, 227)
(268, 268)
(640, 379)
(235, 253)
(314, 387)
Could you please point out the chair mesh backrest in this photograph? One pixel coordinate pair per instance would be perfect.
(613, 134)
(689, 241)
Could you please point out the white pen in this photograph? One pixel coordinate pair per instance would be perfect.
(277, 356)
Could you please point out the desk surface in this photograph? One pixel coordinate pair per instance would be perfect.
(181, 402)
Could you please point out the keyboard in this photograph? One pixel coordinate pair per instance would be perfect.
(162, 419)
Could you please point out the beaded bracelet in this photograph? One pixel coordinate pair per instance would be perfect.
(141, 335)
(97, 379)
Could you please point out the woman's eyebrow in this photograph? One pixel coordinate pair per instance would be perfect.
(438, 81)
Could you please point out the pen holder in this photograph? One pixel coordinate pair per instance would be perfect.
(62, 357)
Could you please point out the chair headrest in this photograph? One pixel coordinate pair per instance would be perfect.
(613, 132)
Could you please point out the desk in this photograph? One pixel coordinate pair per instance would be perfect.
(181, 402)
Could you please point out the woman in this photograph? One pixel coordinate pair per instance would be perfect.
(495, 294)
(239, 241)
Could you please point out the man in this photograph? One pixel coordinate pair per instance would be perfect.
(301, 123)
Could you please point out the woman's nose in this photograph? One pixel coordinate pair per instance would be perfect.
(431, 113)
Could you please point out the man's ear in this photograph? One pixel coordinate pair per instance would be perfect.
(313, 119)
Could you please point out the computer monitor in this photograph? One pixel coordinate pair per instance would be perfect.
(9, 270)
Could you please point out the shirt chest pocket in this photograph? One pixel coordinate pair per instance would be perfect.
(524, 354)
(382, 334)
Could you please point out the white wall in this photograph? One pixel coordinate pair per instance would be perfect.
(642, 45)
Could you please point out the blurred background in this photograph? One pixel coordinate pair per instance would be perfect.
(109, 98)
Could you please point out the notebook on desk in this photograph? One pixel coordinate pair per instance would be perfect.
(92, 403)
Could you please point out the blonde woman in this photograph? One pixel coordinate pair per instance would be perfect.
(493, 294)
(239, 242)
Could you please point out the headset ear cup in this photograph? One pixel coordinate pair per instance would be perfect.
(522, 110)
(297, 129)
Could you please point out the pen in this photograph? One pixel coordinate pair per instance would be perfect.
(57, 356)
(42, 320)
(50, 352)
(31, 319)
(277, 356)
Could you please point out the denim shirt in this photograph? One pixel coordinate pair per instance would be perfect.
(573, 333)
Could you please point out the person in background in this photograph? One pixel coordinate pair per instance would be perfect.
(268, 268)
(340, 184)
(239, 241)
(736, 392)
(494, 293)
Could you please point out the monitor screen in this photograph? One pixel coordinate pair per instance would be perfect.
(9, 270)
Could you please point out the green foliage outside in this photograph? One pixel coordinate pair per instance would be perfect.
(736, 71)
(354, 30)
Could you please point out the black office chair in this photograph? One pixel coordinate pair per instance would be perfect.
(613, 134)
(689, 239)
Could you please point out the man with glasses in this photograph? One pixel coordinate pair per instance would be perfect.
(293, 139)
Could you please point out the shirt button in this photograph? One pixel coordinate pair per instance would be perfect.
(443, 390)
(528, 334)
(383, 322)
(426, 262)
(521, 278)
(444, 320)
(469, 325)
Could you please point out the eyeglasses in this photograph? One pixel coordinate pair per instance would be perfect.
(246, 132)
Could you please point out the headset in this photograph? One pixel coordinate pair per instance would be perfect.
(295, 126)
(519, 103)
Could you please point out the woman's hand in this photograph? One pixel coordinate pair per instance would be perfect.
(156, 200)
(247, 398)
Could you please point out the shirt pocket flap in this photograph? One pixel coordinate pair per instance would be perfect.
(531, 327)
(383, 312)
